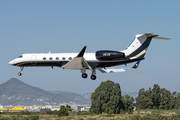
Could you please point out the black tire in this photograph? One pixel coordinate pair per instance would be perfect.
(93, 77)
(19, 74)
(84, 75)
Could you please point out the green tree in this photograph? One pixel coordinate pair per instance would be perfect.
(156, 93)
(157, 98)
(128, 103)
(174, 103)
(68, 108)
(165, 99)
(144, 99)
(63, 111)
(107, 98)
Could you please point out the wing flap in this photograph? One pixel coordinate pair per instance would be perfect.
(75, 63)
(113, 70)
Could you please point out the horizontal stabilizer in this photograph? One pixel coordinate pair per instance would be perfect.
(155, 36)
(162, 38)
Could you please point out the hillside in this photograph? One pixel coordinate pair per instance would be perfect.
(16, 92)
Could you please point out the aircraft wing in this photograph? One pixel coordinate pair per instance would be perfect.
(77, 62)
(112, 70)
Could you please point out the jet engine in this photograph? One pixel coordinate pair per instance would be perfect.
(104, 55)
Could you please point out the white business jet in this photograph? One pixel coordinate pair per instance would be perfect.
(101, 60)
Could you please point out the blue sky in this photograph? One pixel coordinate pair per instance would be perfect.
(40, 26)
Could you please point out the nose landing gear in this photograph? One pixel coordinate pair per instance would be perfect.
(19, 73)
(21, 68)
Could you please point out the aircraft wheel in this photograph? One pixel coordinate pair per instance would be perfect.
(19, 74)
(93, 77)
(84, 75)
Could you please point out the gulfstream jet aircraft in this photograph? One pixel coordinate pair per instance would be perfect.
(101, 60)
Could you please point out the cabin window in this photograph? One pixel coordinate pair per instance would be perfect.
(70, 58)
(57, 58)
(50, 58)
(63, 58)
(20, 56)
(44, 58)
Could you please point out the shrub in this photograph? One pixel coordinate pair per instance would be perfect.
(52, 112)
(25, 113)
(63, 111)
(111, 111)
(122, 111)
(135, 117)
(35, 118)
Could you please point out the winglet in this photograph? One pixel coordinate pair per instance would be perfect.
(136, 65)
(82, 52)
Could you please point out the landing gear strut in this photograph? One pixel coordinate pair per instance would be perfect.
(93, 76)
(21, 68)
(83, 71)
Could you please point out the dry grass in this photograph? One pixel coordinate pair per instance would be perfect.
(136, 114)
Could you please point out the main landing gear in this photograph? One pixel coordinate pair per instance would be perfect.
(21, 68)
(84, 75)
(93, 77)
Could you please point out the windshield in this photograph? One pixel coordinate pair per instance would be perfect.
(20, 56)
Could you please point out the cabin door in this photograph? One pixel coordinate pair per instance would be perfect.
(33, 59)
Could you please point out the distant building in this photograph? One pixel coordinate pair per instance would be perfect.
(41, 109)
(15, 109)
(1, 106)
(79, 108)
(53, 108)
(83, 108)
(37, 109)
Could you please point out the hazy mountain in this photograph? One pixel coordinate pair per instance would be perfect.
(132, 94)
(16, 92)
(58, 91)
(87, 95)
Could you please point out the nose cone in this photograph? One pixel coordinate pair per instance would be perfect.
(12, 62)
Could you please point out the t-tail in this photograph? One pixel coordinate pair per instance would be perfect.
(138, 48)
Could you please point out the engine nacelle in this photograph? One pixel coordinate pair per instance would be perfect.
(105, 55)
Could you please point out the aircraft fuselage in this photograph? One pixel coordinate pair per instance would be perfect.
(60, 59)
(100, 60)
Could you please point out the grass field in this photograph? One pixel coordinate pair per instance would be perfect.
(137, 115)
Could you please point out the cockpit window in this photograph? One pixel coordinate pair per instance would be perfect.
(20, 56)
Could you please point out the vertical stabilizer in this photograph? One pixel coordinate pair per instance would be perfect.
(137, 49)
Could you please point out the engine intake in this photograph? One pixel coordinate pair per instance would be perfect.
(105, 55)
